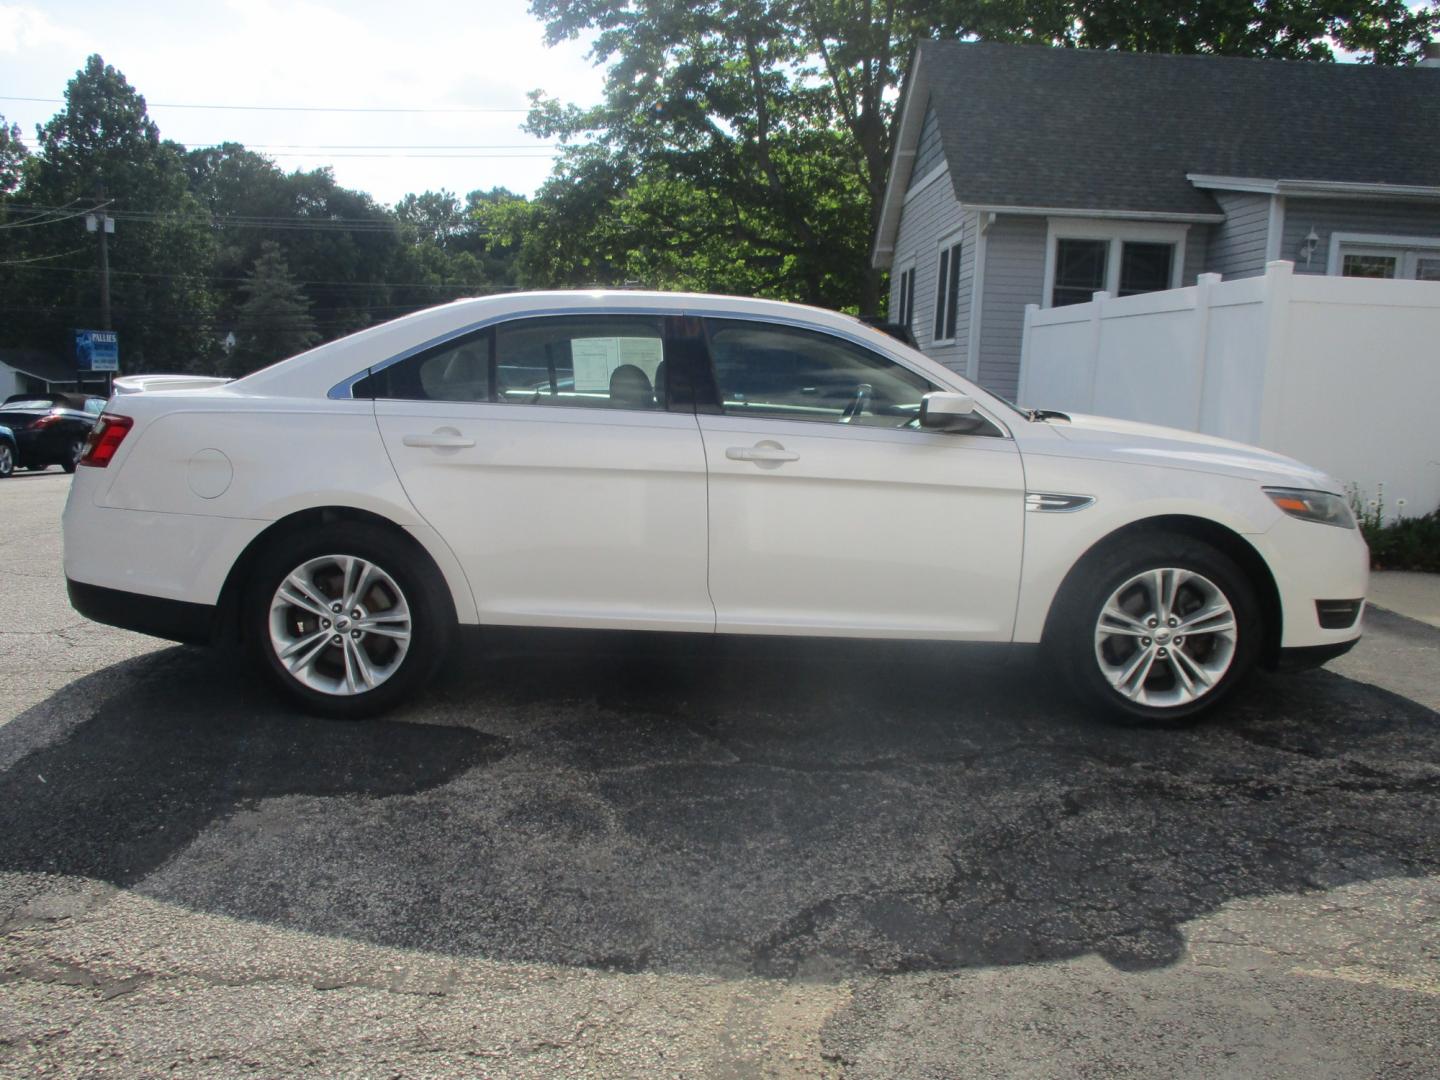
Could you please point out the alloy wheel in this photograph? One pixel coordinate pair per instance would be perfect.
(340, 625)
(1166, 637)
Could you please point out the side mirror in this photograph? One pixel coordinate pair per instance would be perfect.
(944, 410)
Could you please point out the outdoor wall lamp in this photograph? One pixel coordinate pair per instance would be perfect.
(1309, 244)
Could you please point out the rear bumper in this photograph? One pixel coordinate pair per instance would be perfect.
(173, 620)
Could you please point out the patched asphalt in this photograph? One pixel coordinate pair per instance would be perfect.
(633, 853)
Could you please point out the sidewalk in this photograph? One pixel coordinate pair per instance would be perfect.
(1414, 595)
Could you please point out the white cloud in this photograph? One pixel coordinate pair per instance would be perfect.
(23, 29)
(360, 54)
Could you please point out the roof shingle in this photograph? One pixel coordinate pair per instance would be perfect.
(1028, 125)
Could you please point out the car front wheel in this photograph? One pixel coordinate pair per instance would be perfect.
(349, 620)
(1158, 632)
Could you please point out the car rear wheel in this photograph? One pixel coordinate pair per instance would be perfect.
(73, 453)
(349, 620)
(1157, 632)
(7, 460)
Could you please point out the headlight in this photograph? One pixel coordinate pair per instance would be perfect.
(1318, 506)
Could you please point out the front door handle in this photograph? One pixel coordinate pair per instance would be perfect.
(765, 451)
(439, 440)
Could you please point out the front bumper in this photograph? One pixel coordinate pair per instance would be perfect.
(1315, 566)
(1305, 657)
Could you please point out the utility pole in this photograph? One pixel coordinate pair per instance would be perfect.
(103, 224)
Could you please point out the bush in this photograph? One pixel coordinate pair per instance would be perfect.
(1407, 543)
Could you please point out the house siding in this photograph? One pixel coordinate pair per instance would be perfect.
(1197, 254)
(1328, 216)
(1236, 248)
(1014, 277)
(931, 215)
(928, 153)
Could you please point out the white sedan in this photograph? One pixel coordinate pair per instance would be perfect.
(705, 464)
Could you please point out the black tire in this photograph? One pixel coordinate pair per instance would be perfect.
(432, 614)
(1071, 639)
(73, 454)
(7, 460)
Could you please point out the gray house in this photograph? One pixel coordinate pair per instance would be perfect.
(1029, 175)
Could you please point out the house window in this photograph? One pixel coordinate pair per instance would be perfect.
(1376, 255)
(1080, 267)
(905, 301)
(947, 292)
(1370, 266)
(1122, 258)
(1144, 267)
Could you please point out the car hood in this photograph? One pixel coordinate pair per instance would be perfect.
(1150, 444)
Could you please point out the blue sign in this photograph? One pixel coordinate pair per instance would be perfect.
(97, 350)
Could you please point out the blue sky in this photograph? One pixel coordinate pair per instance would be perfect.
(357, 54)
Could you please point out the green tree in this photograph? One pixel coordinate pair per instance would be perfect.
(1379, 31)
(103, 149)
(12, 157)
(274, 321)
(731, 100)
(343, 247)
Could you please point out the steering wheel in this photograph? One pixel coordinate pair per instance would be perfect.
(863, 393)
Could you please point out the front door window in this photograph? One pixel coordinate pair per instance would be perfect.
(784, 373)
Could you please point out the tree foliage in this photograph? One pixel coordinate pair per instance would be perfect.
(274, 321)
(1379, 31)
(13, 155)
(195, 228)
(102, 150)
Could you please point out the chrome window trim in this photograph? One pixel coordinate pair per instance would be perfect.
(865, 339)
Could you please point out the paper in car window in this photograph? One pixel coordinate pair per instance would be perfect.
(595, 359)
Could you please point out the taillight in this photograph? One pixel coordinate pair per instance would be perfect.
(105, 438)
(46, 420)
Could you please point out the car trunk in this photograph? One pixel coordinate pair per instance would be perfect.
(19, 419)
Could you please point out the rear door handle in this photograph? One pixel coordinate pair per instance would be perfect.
(761, 452)
(439, 440)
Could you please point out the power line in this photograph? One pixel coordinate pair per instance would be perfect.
(299, 108)
(367, 146)
(403, 157)
(222, 277)
(30, 224)
(334, 224)
(43, 258)
(43, 213)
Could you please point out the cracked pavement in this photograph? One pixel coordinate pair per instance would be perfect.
(618, 855)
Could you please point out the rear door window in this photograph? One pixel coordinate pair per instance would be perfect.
(455, 371)
(585, 362)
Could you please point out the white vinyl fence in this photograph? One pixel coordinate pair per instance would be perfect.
(1342, 373)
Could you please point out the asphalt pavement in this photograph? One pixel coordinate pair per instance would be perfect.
(625, 855)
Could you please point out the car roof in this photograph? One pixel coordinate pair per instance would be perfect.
(64, 397)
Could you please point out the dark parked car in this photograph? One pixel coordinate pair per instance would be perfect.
(49, 429)
(7, 452)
